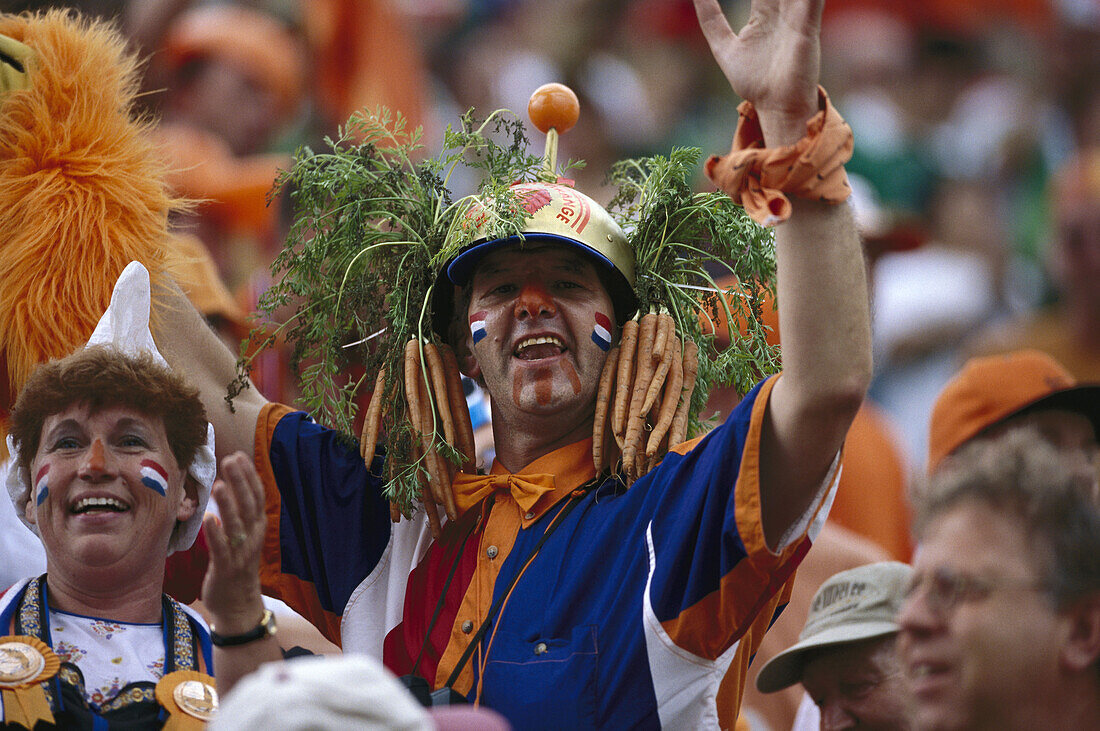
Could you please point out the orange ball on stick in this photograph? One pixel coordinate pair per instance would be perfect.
(553, 106)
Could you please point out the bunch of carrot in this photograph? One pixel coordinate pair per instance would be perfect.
(644, 394)
(437, 412)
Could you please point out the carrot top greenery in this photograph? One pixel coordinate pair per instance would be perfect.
(375, 221)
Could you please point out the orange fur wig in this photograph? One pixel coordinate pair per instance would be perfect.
(82, 189)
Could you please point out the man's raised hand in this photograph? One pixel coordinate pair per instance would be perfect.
(774, 62)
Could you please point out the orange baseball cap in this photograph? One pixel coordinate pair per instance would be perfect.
(989, 390)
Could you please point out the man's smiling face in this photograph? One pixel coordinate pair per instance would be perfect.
(532, 317)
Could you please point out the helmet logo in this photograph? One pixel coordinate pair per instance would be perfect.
(571, 209)
(533, 200)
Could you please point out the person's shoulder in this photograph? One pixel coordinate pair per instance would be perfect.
(11, 593)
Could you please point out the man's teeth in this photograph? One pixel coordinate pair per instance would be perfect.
(539, 341)
(94, 503)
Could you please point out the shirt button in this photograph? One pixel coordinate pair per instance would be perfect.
(491, 551)
(540, 648)
(528, 516)
(467, 627)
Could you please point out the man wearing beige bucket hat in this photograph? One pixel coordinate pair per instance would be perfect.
(845, 657)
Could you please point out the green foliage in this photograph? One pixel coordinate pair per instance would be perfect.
(683, 242)
(375, 221)
(373, 225)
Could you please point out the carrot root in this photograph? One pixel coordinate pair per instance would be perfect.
(624, 378)
(603, 399)
(665, 323)
(636, 417)
(667, 410)
(433, 513)
(372, 422)
(678, 431)
(459, 411)
(438, 375)
(665, 328)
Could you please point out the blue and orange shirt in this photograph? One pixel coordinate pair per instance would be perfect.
(642, 609)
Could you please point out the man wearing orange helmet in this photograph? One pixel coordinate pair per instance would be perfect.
(554, 594)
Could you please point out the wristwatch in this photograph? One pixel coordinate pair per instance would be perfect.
(265, 628)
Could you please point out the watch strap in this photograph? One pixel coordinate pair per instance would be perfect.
(265, 628)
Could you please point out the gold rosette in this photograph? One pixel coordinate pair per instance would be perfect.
(26, 663)
(190, 698)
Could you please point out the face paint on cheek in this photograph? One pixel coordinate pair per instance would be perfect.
(154, 477)
(41, 489)
(571, 373)
(477, 326)
(601, 332)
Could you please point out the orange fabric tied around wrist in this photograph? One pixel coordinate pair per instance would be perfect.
(760, 178)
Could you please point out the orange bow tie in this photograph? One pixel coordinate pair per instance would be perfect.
(526, 490)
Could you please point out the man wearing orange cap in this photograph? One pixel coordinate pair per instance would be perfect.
(553, 593)
(992, 395)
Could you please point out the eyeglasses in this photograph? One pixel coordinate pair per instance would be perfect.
(945, 589)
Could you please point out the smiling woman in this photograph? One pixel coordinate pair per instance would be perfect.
(118, 449)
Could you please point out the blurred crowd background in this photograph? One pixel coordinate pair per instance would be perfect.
(976, 171)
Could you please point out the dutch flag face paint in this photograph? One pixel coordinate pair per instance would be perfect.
(601, 331)
(154, 477)
(477, 326)
(41, 488)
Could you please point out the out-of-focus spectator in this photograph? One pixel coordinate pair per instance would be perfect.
(1001, 627)
(1069, 330)
(995, 394)
(353, 691)
(234, 78)
(363, 56)
(235, 73)
(845, 656)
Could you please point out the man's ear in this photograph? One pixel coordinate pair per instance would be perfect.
(1082, 646)
(459, 335)
(31, 510)
(189, 503)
